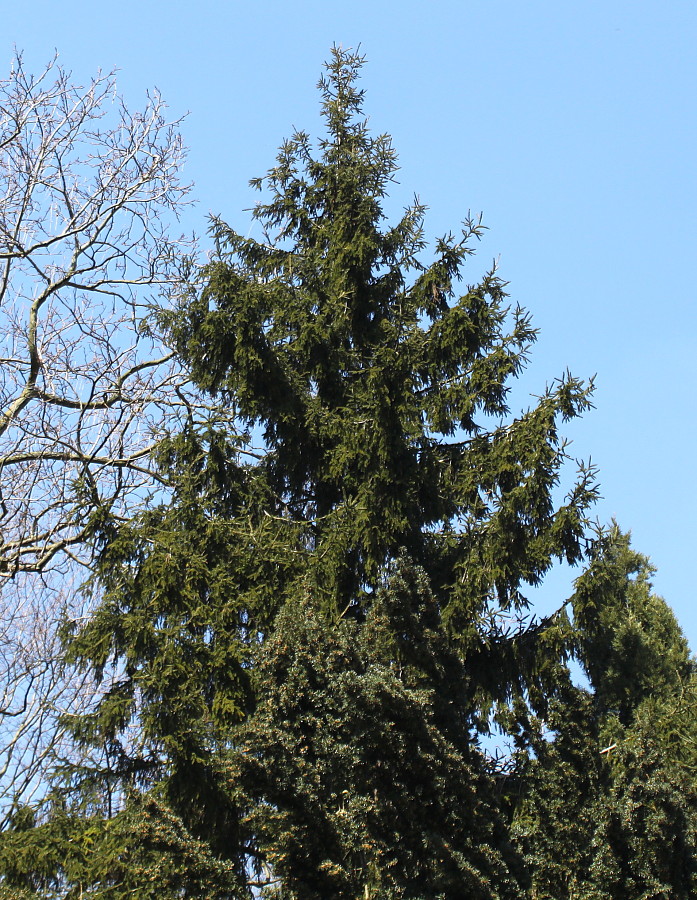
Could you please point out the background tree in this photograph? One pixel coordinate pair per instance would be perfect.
(557, 795)
(84, 251)
(629, 641)
(607, 804)
(645, 840)
(36, 689)
(88, 191)
(643, 680)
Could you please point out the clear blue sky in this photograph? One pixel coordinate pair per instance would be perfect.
(570, 125)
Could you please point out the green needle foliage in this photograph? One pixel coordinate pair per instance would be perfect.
(144, 851)
(380, 394)
(645, 840)
(557, 797)
(629, 642)
(608, 808)
(297, 649)
(360, 764)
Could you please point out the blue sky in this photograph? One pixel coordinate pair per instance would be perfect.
(571, 126)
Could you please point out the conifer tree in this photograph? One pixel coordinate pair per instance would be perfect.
(608, 801)
(371, 393)
(557, 795)
(645, 840)
(629, 641)
(359, 762)
(643, 681)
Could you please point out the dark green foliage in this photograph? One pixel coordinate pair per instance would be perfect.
(619, 824)
(645, 841)
(361, 763)
(608, 808)
(144, 851)
(560, 787)
(629, 642)
(380, 396)
(374, 384)
(186, 593)
(299, 646)
(637, 659)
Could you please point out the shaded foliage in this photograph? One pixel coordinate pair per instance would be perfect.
(609, 807)
(143, 851)
(361, 761)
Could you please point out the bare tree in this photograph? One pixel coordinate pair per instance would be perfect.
(88, 191)
(36, 689)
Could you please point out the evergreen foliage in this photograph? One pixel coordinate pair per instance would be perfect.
(555, 818)
(381, 400)
(362, 368)
(143, 851)
(645, 841)
(298, 651)
(629, 642)
(609, 807)
(361, 762)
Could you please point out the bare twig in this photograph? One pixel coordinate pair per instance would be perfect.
(89, 194)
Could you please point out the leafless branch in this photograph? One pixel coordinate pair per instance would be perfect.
(90, 193)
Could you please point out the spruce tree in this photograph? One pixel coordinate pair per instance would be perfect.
(556, 794)
(607, 802)
(628, 639)
(359, 762)
(370, 391)
(643, 682)
(645, 840)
